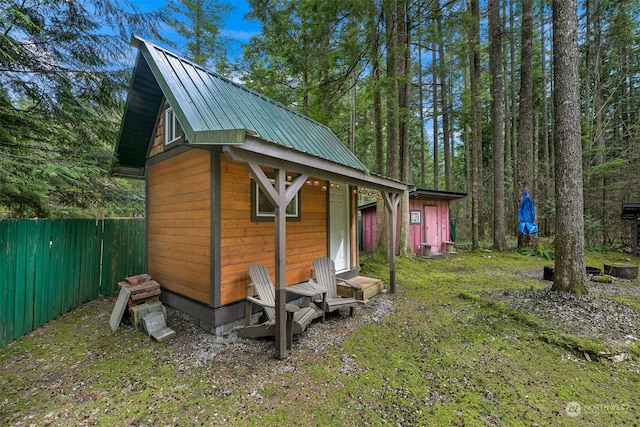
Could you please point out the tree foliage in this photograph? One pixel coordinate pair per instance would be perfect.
(198, 22)
(62, 82)
(311, 53)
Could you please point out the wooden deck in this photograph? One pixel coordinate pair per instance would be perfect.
(370, 287)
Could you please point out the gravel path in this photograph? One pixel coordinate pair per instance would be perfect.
(196, 348)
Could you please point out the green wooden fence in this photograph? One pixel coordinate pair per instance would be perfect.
(48, 267)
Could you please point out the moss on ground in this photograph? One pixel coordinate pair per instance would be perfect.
(446, 356)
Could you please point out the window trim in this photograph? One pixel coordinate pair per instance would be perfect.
(172, 130)
(269, 216)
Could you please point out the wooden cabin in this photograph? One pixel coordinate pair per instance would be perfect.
(233, 178)
(429, 221)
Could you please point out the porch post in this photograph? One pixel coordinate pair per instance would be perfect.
(391, 201)
(635, 234)
(281, 265)
(279, 196)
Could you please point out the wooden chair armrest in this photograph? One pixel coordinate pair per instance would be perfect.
(292, 308)
(288, 307)
(260, 302)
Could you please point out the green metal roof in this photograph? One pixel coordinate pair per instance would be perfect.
(213, 110)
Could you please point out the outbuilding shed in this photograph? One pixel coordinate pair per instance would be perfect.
(232, 179)
(631, 211)
(429, 221)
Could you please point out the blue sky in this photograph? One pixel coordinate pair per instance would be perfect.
(235, 28)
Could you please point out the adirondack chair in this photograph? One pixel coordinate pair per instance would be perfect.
(298, 318)
(325, 272)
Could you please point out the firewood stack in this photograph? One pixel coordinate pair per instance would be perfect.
(142, 288)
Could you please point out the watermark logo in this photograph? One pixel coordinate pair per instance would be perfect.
(573, 409)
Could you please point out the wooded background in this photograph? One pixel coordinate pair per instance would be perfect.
(448, 95)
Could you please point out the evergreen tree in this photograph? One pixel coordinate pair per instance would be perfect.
(61, 93)
(198, 23)
(570, 275)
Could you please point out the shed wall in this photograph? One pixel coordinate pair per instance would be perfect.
(418, 232)
(179, 223)
(245, 242)
(368, 229)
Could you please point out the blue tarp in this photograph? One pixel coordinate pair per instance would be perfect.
(527, 215)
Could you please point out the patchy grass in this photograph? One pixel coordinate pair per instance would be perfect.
(447, 355)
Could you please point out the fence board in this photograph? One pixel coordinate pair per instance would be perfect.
(16, 276)
(42, 273)
(56, 291)
(123, 252)
(4, 286)
(48, 267)
(30, 230)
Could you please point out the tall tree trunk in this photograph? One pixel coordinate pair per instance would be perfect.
(448, 173)
(468, 163)
(434, 91)
(523, 173)
(497, 119)
(536, 141)
(393, 129)
(382, 216)
(598, 110)
(546, 192)
(508, 165)
(570, 275)
(514, 112)
(354, 116)
(476, 132)
(404, 99)
(423, 143)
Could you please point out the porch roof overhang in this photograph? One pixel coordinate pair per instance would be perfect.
(423, 194)
(275, 156)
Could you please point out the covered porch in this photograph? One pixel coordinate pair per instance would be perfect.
(257, 155)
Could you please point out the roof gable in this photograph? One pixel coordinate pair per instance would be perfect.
(213, 110)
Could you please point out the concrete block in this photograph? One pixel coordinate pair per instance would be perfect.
(119, 308)
(140, 310)
(153, 322)
(163, 334)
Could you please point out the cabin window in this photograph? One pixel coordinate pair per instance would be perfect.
(171, 127)
(262, 210)
(414, 217)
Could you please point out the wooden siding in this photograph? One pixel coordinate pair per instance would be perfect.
(244, 242)
(418, 231)
(157, 143)
(369, 227)
(178, 217)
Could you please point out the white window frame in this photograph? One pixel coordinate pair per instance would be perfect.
(267, 213)
(171, 127)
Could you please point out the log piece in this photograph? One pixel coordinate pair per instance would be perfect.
(623, 271)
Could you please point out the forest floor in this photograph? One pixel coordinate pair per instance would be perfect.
(472, 338)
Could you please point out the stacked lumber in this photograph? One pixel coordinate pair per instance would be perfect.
(142, 289)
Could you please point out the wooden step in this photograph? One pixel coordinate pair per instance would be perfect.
(370, 288)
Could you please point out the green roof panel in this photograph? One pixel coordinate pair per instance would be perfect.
(212, 110)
